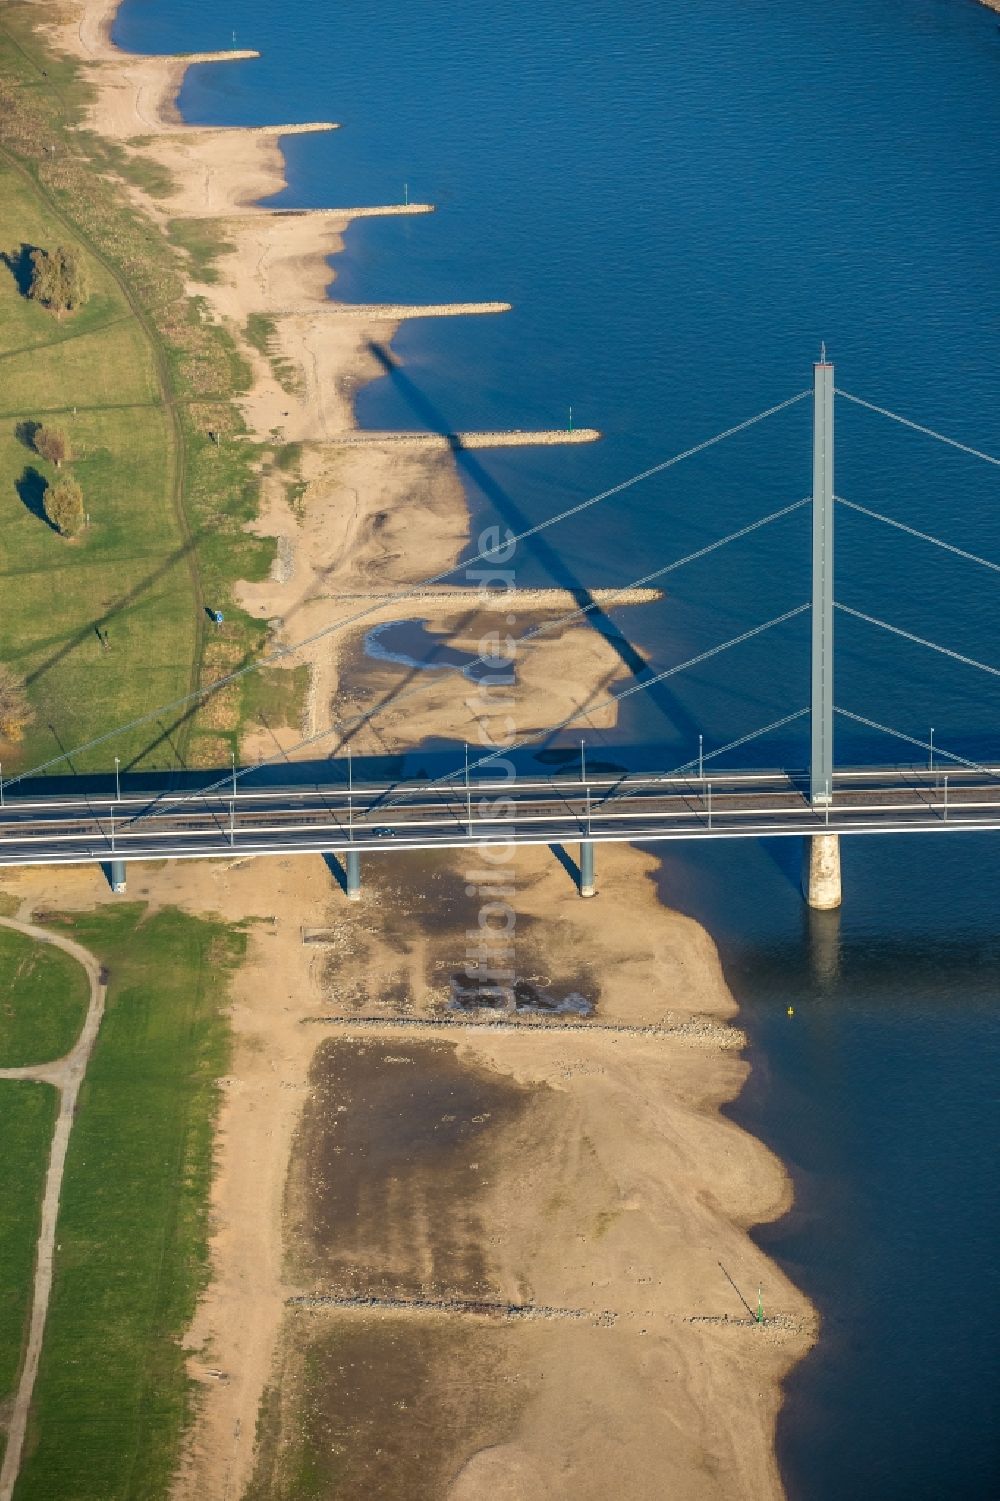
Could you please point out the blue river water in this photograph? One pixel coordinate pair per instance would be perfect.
(681, 201)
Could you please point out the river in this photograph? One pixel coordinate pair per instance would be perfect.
(681, 201)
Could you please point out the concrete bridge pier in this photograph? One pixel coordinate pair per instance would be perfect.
(587, 884)
(821, 872)
(352, 873)
(115, 872)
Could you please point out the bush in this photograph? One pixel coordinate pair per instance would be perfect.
(58, 279)
(63, 503)
(51, 444)
(15, 711)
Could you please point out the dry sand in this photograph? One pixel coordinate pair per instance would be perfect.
(615, 1189)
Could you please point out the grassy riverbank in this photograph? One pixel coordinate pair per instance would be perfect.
(112, 1394)
(140, 381)
(27, 1116)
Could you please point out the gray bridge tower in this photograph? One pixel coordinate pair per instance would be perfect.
(822, 874)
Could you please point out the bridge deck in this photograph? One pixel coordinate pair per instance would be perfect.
(76, 829)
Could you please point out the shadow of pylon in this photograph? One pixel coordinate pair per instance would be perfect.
(558, 570)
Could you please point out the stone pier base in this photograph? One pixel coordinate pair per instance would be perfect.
(821, 872)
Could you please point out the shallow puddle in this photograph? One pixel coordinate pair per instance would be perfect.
(411, 644)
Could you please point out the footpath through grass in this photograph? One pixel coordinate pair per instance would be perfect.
(27, 1118)
(139, 381)
(44, 995)
(112, 1396)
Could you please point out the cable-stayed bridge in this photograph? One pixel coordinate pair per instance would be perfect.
(486, 803)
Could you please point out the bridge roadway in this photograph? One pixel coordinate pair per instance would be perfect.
(647, 808)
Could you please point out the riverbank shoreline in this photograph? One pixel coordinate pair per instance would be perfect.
(692, 1209)
(351, 512)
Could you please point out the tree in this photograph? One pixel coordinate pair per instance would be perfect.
(63, 503)
(52, 444)
(58, 279)
(15, 711)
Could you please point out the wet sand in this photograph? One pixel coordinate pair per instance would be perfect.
(385, 1198)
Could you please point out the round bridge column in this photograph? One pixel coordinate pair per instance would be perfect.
(821, 872)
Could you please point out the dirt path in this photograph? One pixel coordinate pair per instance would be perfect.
(66, 1075)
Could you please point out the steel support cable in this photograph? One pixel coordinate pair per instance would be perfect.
(917, 427)
(722, 750)
(690, 557)
(934, 750)
(776, 724)
(643, 687)
(648, 578)
(411, 592)
(897, 630)
(612, 698)
(959, 552)
(483, 658)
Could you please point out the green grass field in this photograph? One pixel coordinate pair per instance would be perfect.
(43, 1001)
(138, 379)
(129, 571)
(112, 1395)
(27, 1117)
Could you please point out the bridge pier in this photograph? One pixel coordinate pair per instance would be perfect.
(352, 873)
(587, 883)
(116, 876)
(821, 872)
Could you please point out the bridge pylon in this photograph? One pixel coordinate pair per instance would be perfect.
(821, 758)
(821, 874)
